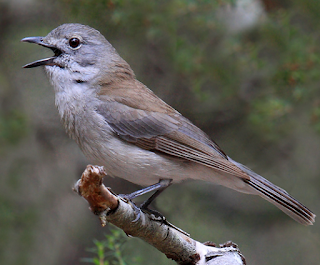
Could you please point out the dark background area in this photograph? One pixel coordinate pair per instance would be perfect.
(247, 72)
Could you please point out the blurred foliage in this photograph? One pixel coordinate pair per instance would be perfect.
(13, 127)
(274, 63)
(111, 250)
(254, 89)
(13, 122)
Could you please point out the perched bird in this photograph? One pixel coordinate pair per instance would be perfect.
(121, 124)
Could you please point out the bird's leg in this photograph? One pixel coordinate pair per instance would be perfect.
(164, 183)
(144, 206)
(159, 187)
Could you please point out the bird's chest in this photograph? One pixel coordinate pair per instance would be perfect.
(84, 125)
(74, 106)
(102, 146)
(72, 109)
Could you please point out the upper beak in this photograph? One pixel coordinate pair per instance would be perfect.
(46, 61)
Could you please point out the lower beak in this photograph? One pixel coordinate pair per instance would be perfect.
(46, 61)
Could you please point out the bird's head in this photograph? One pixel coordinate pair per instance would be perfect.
(80, 53)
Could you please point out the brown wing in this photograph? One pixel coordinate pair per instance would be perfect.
(141, 118)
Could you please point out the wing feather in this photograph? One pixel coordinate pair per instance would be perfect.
(171, 134)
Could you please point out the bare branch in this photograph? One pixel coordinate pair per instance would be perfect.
(167, 238)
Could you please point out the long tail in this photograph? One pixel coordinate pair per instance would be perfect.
(278, 197)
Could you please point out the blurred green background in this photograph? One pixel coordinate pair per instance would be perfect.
(247, 72)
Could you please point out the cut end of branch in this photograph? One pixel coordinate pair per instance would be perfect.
(91, 188)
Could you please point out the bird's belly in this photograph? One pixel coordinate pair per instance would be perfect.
(134, 164)
(125, 160)
(143, 167)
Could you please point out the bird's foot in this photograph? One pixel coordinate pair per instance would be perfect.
(155, 215)
(159, 217)
(137, 210)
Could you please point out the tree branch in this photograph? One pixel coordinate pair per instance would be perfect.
(155, 230)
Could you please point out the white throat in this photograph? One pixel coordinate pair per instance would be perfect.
(73, 91)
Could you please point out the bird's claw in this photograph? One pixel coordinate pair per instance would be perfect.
(155, 215)
(159, 217)
(137, 210)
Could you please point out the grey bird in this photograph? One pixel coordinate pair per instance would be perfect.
(121, 124)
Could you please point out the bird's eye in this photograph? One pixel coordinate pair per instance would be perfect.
(74, 43)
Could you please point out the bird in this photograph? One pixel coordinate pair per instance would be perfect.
(119, 123)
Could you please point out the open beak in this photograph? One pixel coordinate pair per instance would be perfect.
(46, 61)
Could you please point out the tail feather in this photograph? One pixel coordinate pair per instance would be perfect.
(283, 201)
(279, 197)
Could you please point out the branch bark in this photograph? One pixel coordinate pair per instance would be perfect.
(170, 240)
